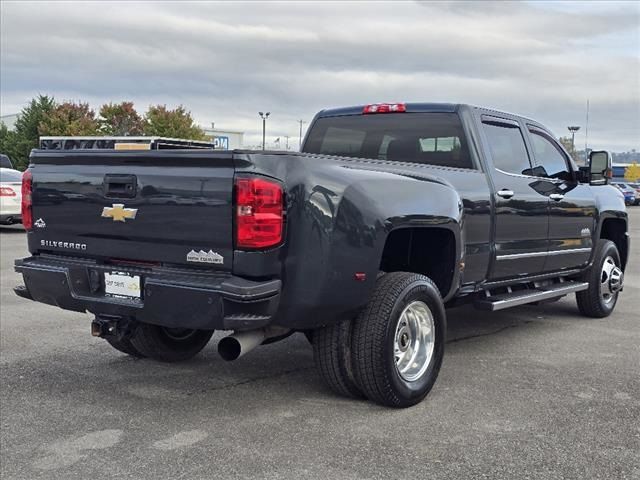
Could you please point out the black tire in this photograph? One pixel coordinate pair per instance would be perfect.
(169, 345)
(123, 345)
(373, 337)
(332, 356)
(591, 302)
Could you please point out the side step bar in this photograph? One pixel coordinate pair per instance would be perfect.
(531, 295)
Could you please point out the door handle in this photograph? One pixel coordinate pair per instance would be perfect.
(556, 196)
(504, 193)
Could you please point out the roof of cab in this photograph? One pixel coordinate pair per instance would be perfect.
(429, 108)
(411, 108)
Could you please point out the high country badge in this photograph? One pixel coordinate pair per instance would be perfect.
(205, 257)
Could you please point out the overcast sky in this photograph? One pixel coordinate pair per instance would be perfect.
(227, 61)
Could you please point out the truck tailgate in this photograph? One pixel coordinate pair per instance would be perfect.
(169, 207)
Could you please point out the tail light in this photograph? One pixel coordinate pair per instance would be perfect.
(27, 216)
(7, 192)
(259, 213)
(385, 108)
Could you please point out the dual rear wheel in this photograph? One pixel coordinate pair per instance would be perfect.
(392, 352)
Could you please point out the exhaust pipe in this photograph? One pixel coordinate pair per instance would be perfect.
(236, 345)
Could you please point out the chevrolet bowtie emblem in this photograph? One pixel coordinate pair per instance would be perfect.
(119, 213)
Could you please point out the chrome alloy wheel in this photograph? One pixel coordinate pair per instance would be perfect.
(414, 341)
(611, 280)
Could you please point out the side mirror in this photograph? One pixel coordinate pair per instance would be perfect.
(599, 167)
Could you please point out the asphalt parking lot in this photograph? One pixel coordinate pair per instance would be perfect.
(532, 392)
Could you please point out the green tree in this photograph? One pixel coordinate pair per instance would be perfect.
(24, 138)
(69, 119)
(120, 119)
(8, 143)
(632, 173)
(177, 123)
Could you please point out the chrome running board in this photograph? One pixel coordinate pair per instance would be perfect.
(501, 301)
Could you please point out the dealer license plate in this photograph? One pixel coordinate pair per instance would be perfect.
(120, 284)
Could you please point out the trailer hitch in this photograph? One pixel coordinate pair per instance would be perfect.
(110, 325)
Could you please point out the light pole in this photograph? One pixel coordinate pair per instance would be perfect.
(300, 144)
(586, 136)
(264, 117)
(573, 129)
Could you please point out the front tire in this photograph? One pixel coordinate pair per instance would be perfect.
(605, 280)
(169, 344)
(398, 340)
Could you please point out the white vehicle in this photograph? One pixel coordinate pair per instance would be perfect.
(10, 196)
(636, 187)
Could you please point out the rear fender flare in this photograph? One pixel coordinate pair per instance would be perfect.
(368, 219)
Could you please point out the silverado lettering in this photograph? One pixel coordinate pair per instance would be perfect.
(60, 244)
(391, 214)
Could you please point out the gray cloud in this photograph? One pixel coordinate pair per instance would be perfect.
(226, 61)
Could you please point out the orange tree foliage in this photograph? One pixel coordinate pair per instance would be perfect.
(69, 119)
(120, 119)
(176, 123)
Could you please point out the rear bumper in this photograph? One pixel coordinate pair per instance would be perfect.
(169, 297)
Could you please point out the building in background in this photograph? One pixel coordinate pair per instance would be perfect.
(224, 139)
(618, 171)
(9, 120)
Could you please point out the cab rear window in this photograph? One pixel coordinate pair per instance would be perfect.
(429, 138)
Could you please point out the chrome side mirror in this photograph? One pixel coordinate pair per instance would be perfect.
(600, 170)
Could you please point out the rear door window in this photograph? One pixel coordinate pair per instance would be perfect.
(430, 138)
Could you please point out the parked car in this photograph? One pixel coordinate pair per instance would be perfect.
(5, 162)
(631, 196)
(390, 214)
(636, 187)
(10, 196)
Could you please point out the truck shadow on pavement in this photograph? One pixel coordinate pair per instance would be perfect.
(286, 368)
(280, 373)
(464, 323)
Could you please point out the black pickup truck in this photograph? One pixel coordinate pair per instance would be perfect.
(389, 215)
